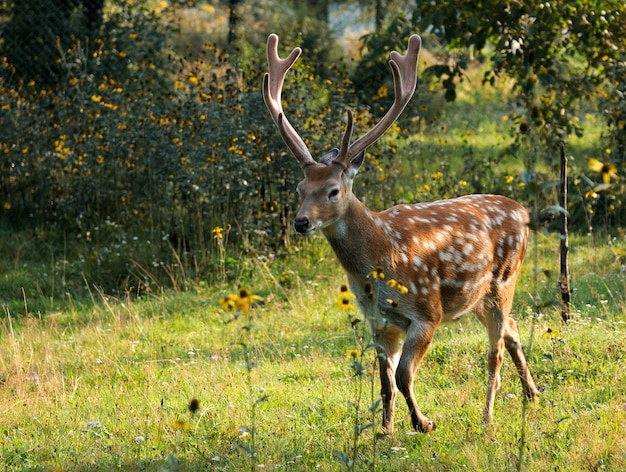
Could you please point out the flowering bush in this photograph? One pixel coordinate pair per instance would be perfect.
(141, 151)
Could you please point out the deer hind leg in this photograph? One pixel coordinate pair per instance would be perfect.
(416, 344)
(491, 315)
(494, 314)
(514, 346)
(387, 347)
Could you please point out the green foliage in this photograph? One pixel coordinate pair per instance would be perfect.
(144, 144)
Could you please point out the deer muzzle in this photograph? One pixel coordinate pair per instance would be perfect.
(301, 225)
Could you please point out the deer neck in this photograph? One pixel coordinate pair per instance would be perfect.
(357, 239)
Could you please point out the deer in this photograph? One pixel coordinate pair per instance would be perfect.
(452, 256)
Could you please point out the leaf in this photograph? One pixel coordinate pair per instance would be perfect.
(365, 427)
(554, 209)
(344, 458)
(261, 399)
(587, 180)
(601, 187)
(549, 184)
(374, 407)
(247, 448)
(373, 345)
(527, 177)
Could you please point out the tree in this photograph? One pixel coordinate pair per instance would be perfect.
(557, 53)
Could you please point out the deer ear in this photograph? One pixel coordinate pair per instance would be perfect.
(355, 164)
(329, 157)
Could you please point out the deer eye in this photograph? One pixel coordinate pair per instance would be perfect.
(333, 195)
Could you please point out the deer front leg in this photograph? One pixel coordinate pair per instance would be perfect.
(416, 344)
(387, 347)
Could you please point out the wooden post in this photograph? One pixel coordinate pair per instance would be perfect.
(564, 286)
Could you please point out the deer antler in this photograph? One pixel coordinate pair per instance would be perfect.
(272, 87)
(404, 70)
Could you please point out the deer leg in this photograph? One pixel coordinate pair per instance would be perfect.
(514, 347)
(492, 317)
(416, 344)
(388, 356)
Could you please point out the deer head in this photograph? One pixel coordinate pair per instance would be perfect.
(330, 179)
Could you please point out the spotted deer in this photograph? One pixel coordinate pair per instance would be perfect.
(452, 256)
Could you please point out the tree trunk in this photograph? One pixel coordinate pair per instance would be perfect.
(233, 20)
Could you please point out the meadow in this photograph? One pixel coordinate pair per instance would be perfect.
(119, 349)
(171, 381)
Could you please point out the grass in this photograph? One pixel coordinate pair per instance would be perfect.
(107, 385)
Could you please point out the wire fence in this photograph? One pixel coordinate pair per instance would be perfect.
(33, 32)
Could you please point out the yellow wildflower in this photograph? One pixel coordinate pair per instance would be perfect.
(181, 424)
(345, 298)
(550, 334)
(378, 273)
(229, 302)
(354, 353)
(398, 285)
(608, 171)
(245, 300)
(240, 302)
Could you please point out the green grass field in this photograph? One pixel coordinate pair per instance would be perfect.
(108, 384)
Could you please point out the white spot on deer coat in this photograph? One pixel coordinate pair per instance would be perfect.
(468, 249)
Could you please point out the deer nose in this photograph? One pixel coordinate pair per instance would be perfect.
(301, 224)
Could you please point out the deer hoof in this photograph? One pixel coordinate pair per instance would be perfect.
(426, 426)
